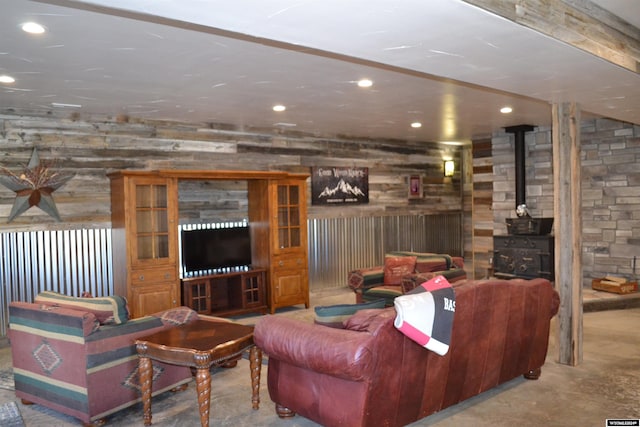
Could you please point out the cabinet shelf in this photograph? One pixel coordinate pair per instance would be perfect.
(143, 215)
(226, 294)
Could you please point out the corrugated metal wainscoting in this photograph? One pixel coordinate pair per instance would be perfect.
(65, 261)
(338, 245)
(74, 261)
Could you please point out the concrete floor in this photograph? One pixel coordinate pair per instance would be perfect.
(605, 385)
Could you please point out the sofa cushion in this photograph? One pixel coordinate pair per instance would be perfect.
(437, 263)
(395, 267)
(108, 310)
(334, 315)
(454, 276)
(428, 262)
(387, 293)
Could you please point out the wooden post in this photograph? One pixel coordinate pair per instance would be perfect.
(568, 229)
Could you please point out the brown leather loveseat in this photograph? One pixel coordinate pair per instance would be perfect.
(371, 374)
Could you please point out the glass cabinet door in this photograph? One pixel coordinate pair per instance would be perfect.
(152, 221)
(288, 206)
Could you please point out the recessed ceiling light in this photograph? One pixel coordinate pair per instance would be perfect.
(416, 125)
(365, 83)
(32, 28)
(506, 110)
(6, 79)
(279, 108)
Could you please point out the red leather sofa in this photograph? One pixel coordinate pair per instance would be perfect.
(371, 374)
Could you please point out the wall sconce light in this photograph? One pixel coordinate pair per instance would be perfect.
(449, 167)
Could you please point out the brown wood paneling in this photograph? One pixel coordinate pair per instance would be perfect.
(482, 169)
(482, 201)
(93, 146)
(578, 23)
(482, 233)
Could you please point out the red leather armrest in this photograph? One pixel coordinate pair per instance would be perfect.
(337, 352)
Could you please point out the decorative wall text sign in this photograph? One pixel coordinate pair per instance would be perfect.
(339, 185)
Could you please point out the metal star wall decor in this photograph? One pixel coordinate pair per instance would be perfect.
(34, 186)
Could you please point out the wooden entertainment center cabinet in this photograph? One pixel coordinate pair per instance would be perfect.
(145, 217)
(226, 294)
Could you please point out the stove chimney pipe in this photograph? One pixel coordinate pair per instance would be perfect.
(519, 131)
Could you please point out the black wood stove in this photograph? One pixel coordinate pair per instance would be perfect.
(527, 251)
(523, 256)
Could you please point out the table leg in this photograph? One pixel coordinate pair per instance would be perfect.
(145, 377)
(203, 388)
(255, 365)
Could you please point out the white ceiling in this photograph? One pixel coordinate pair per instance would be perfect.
(444, 63)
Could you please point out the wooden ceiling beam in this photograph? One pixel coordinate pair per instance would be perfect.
(580, 23)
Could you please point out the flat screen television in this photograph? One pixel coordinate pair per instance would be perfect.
(206, 249)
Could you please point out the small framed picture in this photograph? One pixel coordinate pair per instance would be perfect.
(415, 187)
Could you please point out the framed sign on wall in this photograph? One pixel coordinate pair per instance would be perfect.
(415, 187)
(339, 185)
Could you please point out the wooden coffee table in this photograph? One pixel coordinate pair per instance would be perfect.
(200, 345)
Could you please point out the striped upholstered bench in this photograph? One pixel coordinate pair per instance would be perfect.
(402, 269)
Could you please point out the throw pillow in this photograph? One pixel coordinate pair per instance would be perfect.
(177, 316)
(334, 315)
(395, 267)
(108, 310)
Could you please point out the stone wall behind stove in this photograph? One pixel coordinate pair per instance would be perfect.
(610, 191)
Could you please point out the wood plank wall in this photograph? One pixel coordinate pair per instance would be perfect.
(582, 24)
(467, 208)
(92, 146)
(482, 210)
